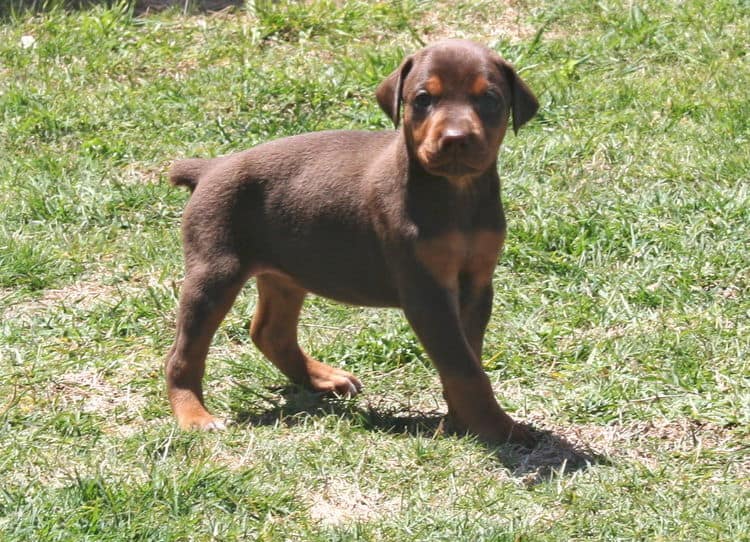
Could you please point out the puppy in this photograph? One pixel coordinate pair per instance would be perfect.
(410, 218)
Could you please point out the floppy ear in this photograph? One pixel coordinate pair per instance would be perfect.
(389, 91)
(524, 104)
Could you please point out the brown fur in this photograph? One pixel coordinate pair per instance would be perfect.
(410, 218)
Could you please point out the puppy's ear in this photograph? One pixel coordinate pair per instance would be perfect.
(524, 104)
(389, 91)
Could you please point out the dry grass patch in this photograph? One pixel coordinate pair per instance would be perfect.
(643, 442)
(343, 501)
(83, 294)
(90, 392)
(481, 21)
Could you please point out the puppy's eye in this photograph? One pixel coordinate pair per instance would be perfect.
(423, 100)
(489, 103)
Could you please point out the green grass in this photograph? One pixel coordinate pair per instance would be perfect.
(622, 305)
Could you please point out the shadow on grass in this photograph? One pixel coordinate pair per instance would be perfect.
(289, 405)
(553, 455)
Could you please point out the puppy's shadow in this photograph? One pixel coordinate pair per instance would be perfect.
(552, 456)
(291, 406)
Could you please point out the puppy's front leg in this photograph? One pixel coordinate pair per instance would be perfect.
(433, 312)
(475, 308)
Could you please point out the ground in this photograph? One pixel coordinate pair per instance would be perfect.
(620, 321)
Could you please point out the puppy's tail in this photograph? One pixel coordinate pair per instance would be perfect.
(187, 172)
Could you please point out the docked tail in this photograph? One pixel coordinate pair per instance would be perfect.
(187, 172)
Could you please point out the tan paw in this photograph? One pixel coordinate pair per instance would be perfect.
(199, 421)
(331, 380)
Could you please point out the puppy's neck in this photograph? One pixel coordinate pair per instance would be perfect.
(466, 182)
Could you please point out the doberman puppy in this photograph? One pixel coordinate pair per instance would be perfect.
(410, 218)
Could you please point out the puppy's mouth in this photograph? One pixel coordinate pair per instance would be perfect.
(452, 169)
(452, 165)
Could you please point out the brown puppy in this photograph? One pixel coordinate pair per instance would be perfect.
(410, 218)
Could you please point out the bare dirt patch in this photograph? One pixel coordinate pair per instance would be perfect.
(484, 22)
(92, 393)
(570, 448)
(81, 294)
(342, 502)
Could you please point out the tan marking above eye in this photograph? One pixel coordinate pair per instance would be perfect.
(434, 85)
(479, 86)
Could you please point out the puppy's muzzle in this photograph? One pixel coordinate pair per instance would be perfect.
(457, 151)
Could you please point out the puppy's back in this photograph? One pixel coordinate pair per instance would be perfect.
(325, 155)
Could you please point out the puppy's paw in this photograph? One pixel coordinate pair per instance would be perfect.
(202, 423)
(515, 434)
(214, 425)
(326, 379)
(495, 431)
(521, 435)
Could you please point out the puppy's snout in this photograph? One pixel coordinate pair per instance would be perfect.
(453, 137)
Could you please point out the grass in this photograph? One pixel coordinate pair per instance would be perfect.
(622, 301)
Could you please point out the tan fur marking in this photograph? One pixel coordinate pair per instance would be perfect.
(479, 86)
(434, 85)
(449, 254)
(443, 257)
(484, 248)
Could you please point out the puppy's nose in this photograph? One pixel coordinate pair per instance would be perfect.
(454, 138)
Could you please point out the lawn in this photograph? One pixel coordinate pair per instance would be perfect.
(621, 323)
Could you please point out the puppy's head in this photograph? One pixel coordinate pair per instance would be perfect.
(457, 98)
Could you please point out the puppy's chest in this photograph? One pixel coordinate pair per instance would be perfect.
(453, 254)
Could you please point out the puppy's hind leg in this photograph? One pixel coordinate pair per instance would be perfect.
(274, 332)
(207, 294)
